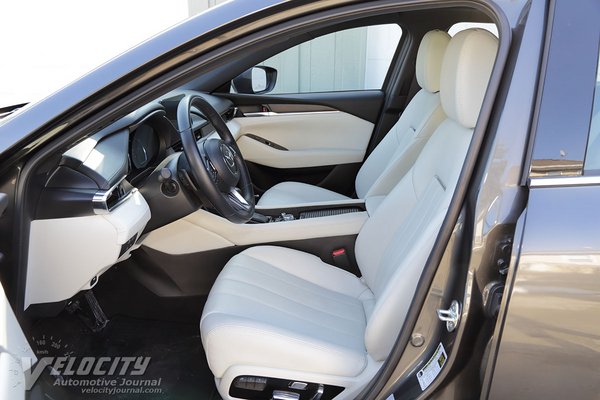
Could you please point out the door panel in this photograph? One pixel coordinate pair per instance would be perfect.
(364, 104)
(316, 138)
(296, 140)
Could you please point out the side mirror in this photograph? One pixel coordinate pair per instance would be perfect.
(256, 80)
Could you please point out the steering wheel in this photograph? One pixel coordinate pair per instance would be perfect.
(216, 165)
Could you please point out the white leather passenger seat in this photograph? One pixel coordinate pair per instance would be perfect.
(398, 150)
(280, 313)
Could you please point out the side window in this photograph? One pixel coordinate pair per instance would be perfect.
(352, 59)
(592, 155)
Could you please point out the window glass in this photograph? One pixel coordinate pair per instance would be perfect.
(461, 26)
(352, 59)
(592, 156)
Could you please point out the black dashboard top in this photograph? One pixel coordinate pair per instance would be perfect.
(128, 150)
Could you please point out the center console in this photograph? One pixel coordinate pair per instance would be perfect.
(269, 215)
(203, 231)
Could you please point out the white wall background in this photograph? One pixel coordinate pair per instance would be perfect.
(49, 43)
(352, 59)
(52, 43)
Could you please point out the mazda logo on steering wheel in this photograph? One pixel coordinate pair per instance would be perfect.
(228, 156)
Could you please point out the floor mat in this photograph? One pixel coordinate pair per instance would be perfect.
(177, 368)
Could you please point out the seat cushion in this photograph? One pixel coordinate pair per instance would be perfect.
(290, 193)
(282, 308)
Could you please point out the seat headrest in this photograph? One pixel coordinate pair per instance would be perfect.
(466, 71)
(429, 59)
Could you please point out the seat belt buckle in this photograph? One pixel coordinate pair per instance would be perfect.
(340, 258)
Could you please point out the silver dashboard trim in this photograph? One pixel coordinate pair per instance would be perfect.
(276, 114)
(100, 199)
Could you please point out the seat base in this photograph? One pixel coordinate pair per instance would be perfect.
(285, 310)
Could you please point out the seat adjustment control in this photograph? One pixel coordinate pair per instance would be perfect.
(298, 385)
(251, 383)
(285, 395)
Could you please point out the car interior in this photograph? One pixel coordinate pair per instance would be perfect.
(258, 243)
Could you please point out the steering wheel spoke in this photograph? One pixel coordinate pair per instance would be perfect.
(216, 165)
(238, 199)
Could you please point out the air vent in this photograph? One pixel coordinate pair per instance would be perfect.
(107, 200)
(230, 114)
(116, 196)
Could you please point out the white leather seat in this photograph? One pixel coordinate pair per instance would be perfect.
(278, 294)
(398, 150)
(282, 313)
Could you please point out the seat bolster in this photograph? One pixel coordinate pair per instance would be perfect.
(294, 193)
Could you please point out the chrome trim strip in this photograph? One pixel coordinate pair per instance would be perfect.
(564, 181)
(275, 114)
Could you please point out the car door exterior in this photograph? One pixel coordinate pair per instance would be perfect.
(547, 336)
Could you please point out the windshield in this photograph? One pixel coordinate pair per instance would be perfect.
(51, 43)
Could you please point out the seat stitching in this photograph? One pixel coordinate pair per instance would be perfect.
(211, 333)
(325, 344)
(292, 300)
(315, 324)
(341, 271)
(310, 290)
(307, 289)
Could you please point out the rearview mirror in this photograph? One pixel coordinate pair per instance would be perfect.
(256, 80)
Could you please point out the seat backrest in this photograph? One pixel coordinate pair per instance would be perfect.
(398, 150)
(394, 244)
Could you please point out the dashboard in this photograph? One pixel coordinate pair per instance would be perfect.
(96, 173)
(104, 194)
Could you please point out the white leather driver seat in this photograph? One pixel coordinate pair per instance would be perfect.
(281, 313)
(398, 150)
